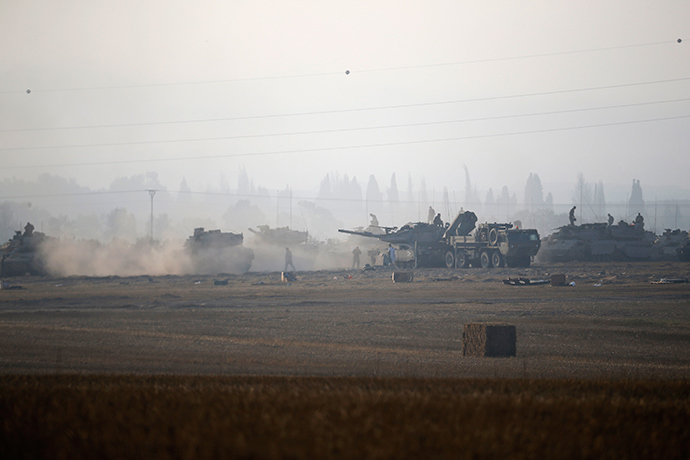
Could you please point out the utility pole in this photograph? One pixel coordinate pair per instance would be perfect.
(152, 193)
(291, 207)
(581, 184)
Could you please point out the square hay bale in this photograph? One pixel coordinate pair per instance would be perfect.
(495, 340)
(558, 280)
(403, 277)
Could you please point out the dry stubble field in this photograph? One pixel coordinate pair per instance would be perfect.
(335, 367)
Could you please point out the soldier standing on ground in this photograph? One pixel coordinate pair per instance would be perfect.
(355, 257)
(571, 216)
(288, 260)
(391, 255)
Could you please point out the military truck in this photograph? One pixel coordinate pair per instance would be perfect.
(491, 244)
(213, 251)
(456, 245)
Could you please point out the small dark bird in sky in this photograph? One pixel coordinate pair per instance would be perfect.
(347, 72)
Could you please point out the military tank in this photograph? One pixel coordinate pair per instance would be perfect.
(668, 245)
(22, 254)
(213, 251)
(598, 242)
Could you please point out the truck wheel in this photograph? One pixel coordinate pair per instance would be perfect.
(496, 259)
(493, 237)
(463, 261)
(511, 262)
(449, 259)
(485, 260)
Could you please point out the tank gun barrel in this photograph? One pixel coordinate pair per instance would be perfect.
(362, 233)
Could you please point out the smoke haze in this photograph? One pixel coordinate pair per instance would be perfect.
(64, 257)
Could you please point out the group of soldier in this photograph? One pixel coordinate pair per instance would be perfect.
(433, 218)
(638, 223)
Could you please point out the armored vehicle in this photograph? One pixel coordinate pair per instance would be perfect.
(456, 245)
(281, 236)
(214, 252)
(668, 245)
(598, 242)
(22, 255)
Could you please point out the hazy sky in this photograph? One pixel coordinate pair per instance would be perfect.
(200, 89)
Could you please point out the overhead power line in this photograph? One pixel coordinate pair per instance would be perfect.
(367, 128)
(68, 194)
(350, 71)
(360, 109)
(319, 149)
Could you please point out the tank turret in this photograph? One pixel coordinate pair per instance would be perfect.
(411, 233)
(281, 236)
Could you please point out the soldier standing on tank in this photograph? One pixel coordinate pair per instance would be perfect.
(28, 229)
(571, 216)
(610, 220)
(356, 252)
(288, 260)
(639, 221)
(374, 220)
(430, 215)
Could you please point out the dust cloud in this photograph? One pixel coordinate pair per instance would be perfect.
(68, 257)
(63, 257)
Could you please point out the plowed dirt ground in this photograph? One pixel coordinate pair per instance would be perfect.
(612, 323)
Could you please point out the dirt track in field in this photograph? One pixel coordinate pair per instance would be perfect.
(613, 323)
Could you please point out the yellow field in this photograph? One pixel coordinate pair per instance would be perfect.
(190, 417)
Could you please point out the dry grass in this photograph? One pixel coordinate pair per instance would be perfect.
(192, 417)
